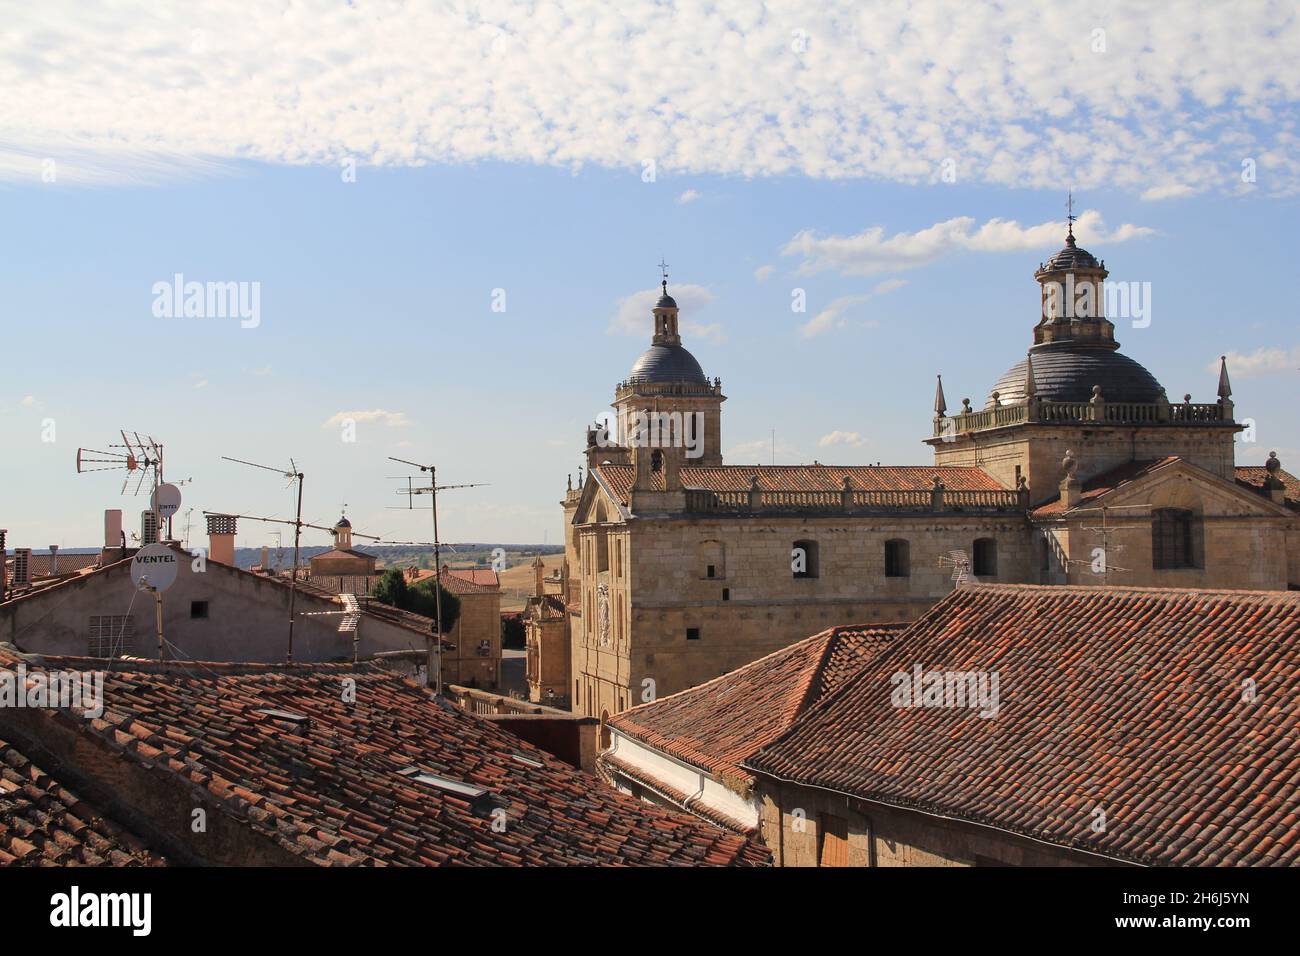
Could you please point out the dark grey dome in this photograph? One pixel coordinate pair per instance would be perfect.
(1071, 258)
(666, 302)
(1066, 372)
(667, 363)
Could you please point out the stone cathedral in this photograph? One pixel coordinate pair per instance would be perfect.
(1077, 469)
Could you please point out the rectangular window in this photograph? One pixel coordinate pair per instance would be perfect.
(199, 610)
(692, 633)
(985, 563)
(803, 559)
(1171, 539)
(897, 559)
(833, 835)
(111, 635)
(712, 571)
(726, 594)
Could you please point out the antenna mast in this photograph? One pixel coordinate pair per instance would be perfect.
(293, 474)
(434, 665)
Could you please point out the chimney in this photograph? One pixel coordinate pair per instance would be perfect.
(266, 558)
(221, 539)
(54, 560)
(4, 569)
(22, 567)
(148, 528)
(114, 548)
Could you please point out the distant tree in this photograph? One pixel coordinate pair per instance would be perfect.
(392, 589)
(513, 635)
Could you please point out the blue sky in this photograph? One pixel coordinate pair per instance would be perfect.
(376, 295)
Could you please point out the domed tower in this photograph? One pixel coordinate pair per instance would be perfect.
(667, 390)
(1075, 391)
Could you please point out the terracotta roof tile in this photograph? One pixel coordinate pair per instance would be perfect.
(1252, 476)
(330, 790)
(619, 478)
(44, 823)
(1107, 482)
(717, 725)
(1130, 700)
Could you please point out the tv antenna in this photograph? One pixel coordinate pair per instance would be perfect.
(1106, 530)
(136, 453)
(293, 475)
(434, 665)
(960, 565)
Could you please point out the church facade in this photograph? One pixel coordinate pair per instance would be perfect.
(1078, 469)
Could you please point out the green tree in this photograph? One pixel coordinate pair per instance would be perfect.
(392, 589)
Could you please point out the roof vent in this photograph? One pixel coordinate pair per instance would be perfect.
(298, 720)
(527, 761)
(458, 787)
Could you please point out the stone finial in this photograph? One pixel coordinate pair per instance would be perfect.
(1272, 482)
(940, 403)
(1071, 490)
(1069, 464)
(579, 477)
(997, 399)
(965, 406)
(1031, 389)
(569, 481)
(1225, 386)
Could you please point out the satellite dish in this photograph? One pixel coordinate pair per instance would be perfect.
(166, 500)
(154, 568)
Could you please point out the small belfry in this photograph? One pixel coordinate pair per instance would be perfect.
(667, 387)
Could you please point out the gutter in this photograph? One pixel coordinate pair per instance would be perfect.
(942, 816)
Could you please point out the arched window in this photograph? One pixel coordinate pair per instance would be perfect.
(985, 562)
(1173, 538)
(898, 561)
(803, 559)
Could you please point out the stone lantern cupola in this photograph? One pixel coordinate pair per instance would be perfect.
(343, 534)
(665, 313)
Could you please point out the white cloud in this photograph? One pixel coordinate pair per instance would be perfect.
(1261, 361)
(851, 439)
(763, 273)
(1013, 93)
(832, 317)
(689, 196)
(633, 313)
(1168, 191)
(31, 401)
(761, 451)
(201, 383)
(871, 252)
(390, 419)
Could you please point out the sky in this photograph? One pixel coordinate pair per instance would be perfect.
(451, 216)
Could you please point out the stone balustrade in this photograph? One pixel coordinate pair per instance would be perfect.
(1098, 410)
(853, 501)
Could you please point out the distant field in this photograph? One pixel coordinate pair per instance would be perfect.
(517, 582)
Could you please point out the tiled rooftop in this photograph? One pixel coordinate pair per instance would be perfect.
(1107, 482)
(277, 748)
(1128, 700)
(44, 823)
(716, 725)
(619, 478)
(1252, 476)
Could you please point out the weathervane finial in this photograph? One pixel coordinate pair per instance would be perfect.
(663, 271)
(1070, 217)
